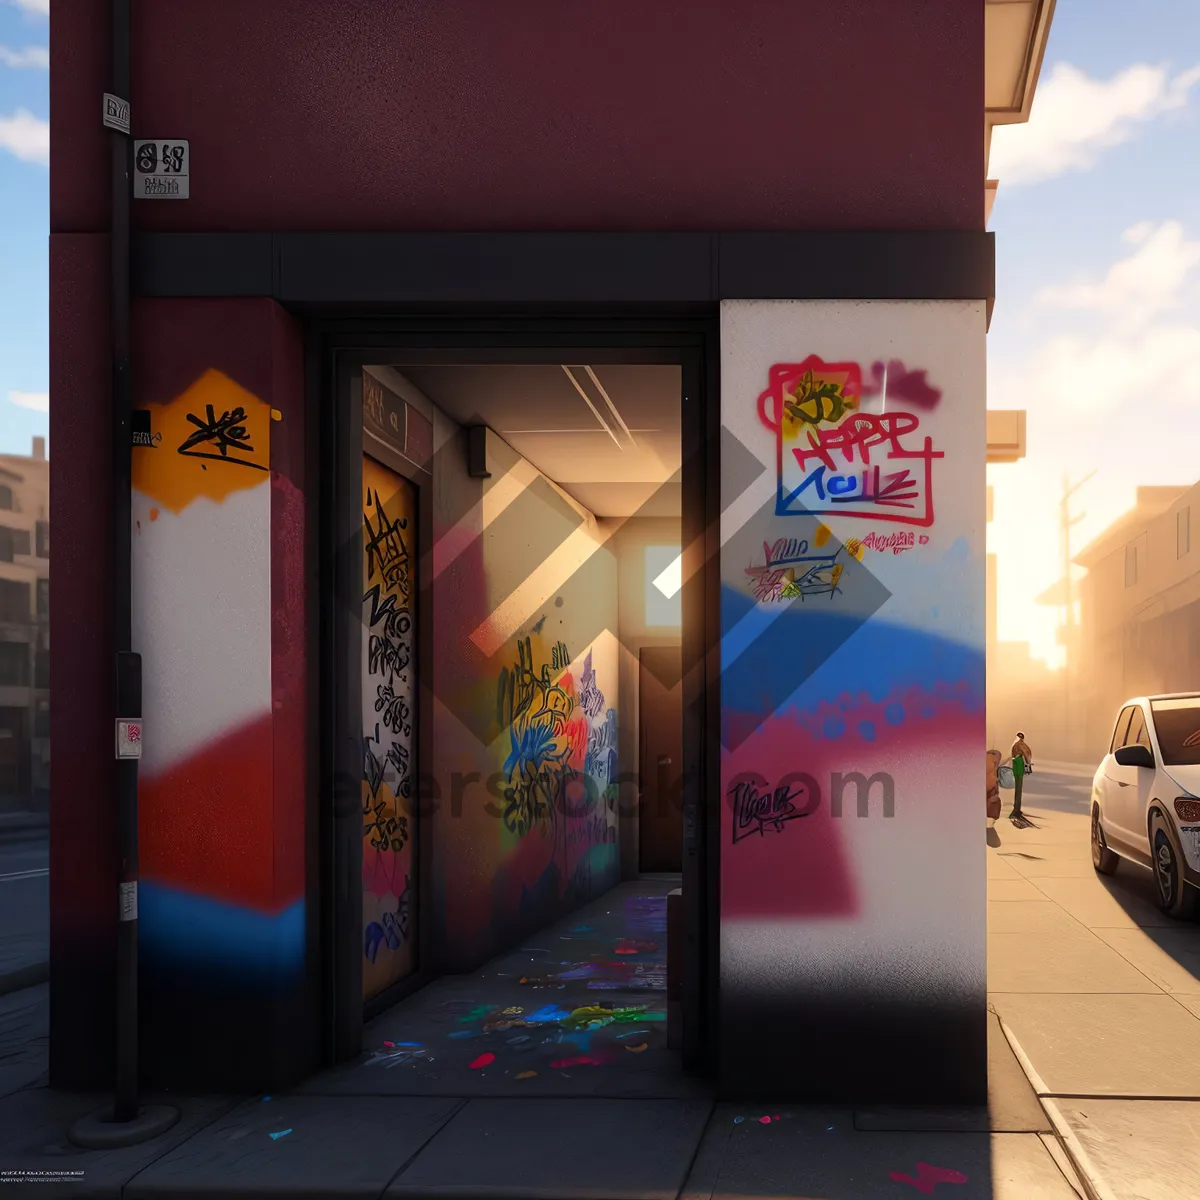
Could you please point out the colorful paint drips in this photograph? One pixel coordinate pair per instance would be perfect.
(484, 1060)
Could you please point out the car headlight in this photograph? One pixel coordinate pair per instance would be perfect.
(1187, 809)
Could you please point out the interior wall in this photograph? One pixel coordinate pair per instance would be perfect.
(629, 541)
(522, 787)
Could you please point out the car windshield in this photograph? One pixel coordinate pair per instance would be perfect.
(1177, 723)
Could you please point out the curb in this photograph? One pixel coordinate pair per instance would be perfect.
(24, 977)
(1086, 1171)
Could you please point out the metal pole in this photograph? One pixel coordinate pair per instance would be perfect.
(126, 1123)
(128, 665)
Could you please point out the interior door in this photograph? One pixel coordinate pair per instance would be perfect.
(660, 741)
(389, 719)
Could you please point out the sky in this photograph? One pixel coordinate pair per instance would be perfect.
(1096, 329)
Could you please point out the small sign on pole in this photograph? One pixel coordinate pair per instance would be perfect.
(116, 113)
(129, 739)
(161, 169)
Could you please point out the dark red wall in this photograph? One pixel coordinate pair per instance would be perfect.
(543, 114)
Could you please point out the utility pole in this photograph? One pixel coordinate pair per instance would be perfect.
(1066, 521)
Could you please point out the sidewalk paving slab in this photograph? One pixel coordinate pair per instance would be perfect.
(1105, 905)
(1168, 957)
(324, 1149)
(542, 1149)
(1012, 1106)
(1107, 1045)
(33, 1138)
(1070, 960)
(815, 1153)
(24, 1038)
(1029, 917)
(1139, 1149)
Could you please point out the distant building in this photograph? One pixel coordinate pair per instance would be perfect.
(1139, 609)
(25, 625)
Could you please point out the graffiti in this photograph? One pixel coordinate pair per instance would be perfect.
(393, 710)
(756, 810)
(791, 571)
(815, 410)
(897, 543)
(383, 828)
(227, 432)
(896, 380)
(601, 762)
(389, 690)
(543, 735)
(390, 931)
(591, 698)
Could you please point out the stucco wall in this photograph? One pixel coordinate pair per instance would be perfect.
(543, 114)
(852, 615)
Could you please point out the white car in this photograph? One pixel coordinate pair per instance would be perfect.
(1146, 798)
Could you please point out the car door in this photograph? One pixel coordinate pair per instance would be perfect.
(1109, 777)
(1127, 799)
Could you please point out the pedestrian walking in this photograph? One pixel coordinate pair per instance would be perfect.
(993, 787)
(1022, 765)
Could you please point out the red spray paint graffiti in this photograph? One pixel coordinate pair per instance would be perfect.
(824, 444)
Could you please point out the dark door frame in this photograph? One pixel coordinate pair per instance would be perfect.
(337, 348)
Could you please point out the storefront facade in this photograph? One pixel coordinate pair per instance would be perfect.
(527, 184)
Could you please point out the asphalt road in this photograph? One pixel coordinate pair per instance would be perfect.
(24, 905)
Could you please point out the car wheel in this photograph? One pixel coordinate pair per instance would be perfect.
(1103, 859)
(1176, 897)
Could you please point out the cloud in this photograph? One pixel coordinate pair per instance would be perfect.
(38, 401)
(1076, 118)
(1138, 289)
(40, 8)
(26, 136)
(1140, 361)
(31, 56)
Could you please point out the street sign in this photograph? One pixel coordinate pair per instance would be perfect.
(160, 169)
(116, 113)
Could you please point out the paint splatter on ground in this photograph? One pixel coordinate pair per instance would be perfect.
(928, 1177)
(574, 1039)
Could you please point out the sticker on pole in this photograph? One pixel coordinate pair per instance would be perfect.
(127, 893)
(129, 739)
(116, 113)
(160, 169)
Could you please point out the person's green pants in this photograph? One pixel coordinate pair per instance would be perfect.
(1018, 766)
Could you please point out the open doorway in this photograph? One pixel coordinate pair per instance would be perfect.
(520, 710)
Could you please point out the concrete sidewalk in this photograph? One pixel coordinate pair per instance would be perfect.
(1099, 993)
(329, 1147)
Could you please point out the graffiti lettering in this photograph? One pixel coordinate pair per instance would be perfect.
(897, 543)
(756, 810)
(591, 698)
(388, 702)
(815, 410)
(225, 433)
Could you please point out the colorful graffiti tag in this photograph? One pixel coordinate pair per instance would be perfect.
(824, 444)
(389, 719)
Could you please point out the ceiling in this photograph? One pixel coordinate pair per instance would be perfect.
(608, 435)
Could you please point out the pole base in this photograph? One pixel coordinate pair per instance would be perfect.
(98, 1130)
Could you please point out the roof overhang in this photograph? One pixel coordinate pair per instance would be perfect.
(1015, 33)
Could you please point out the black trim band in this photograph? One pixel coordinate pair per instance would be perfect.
(331, 270)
